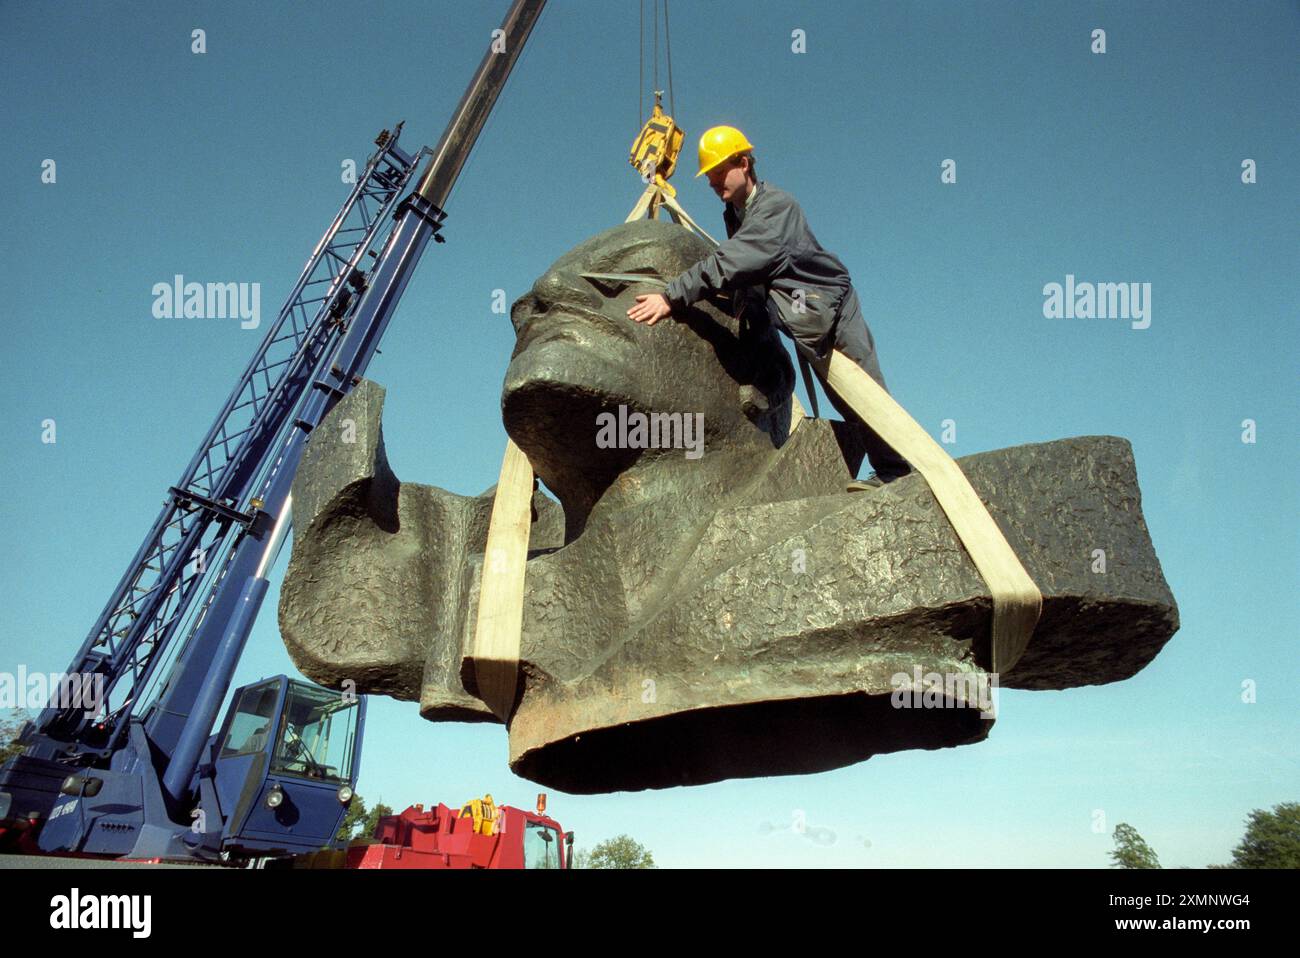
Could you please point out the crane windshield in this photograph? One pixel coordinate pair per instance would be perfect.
(318, 734)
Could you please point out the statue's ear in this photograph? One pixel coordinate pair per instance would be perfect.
(345, 457)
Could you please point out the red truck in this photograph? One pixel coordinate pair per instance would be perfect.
(479, 835)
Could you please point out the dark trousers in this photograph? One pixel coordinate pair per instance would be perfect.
(853, 339)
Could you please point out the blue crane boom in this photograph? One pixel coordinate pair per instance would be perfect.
(152, 780)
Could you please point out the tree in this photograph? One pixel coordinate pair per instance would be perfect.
(359, 821)
(354, 816)
(372, 820)
(10, 728)
(1272, 839)
(620, 852)
(1130, 849)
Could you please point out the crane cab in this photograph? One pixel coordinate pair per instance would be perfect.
(276, 779)
(284, 764)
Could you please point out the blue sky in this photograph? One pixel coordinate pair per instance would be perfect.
(1115, 167)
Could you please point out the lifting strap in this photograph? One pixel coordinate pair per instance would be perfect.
(499, 625)
(797, 415)
(660, 194)
(1017, 602)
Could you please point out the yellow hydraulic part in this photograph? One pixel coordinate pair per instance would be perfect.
(484, 812)
(654, 152)
(720, 143)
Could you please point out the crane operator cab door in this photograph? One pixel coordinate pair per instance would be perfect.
(286, 762)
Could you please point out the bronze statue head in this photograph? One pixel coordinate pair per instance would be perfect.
(688, 620)
(578, 356)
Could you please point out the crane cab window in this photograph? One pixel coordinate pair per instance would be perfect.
(253, 721)
(317, 736)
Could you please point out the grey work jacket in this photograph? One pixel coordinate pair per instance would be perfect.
(771, 250)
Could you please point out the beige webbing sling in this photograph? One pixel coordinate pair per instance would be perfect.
(660, 195)
(1017, 601)
(497, 632)
(498, 629)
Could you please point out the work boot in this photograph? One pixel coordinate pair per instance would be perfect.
(874, 481)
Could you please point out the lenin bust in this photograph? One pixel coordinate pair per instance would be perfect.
(703, 600)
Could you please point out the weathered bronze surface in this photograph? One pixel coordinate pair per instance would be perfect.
(691, 618)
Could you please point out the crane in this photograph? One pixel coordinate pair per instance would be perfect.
(151, 773)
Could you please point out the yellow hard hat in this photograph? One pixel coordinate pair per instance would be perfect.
(720, 143)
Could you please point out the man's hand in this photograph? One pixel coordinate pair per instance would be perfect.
(650, 308)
